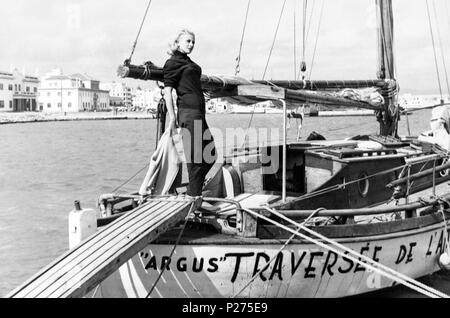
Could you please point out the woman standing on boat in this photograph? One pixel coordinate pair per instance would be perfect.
(183, 75)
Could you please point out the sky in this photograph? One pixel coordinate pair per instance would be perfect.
(95, 36)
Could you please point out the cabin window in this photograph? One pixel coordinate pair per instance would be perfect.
(363, 185)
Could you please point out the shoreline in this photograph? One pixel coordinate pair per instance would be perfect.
(34, 117)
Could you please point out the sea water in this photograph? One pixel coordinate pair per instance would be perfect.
(45, 167)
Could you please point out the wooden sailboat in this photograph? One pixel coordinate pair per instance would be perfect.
(338, 218)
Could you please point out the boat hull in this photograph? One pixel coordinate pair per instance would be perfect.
(301, 270)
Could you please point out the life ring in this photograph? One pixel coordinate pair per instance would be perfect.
(231, 181)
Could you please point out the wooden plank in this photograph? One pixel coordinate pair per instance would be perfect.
(92, 244)
(86, 264)
(80, 270)
(79, 250)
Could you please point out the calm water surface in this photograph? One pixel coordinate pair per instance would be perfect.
(45, 167)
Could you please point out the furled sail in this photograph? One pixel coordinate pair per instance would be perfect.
(332, 93)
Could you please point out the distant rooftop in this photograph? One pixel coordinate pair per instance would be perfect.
(5, 73)
(83, 77)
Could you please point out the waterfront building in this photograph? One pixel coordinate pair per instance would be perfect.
(119, 90)
(70, 94)
(145, 99)
(18, 92)
(411, 101)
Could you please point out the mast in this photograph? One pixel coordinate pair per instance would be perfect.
(389, 116)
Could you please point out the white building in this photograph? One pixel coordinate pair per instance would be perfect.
(144, 99)
(74, 93)
(419, 101)
(119, 90)
(18, 92)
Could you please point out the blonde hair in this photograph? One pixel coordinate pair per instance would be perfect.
(173, 46)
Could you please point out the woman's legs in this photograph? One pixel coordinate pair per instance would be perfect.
(200, 153)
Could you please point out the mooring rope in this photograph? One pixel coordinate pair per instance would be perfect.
(357, 257)
(276, 255)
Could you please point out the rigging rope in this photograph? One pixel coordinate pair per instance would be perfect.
(238, 59)
(129, 180)
(317, 39)
(434, 49)
(274, 40)
(140, 29)
(303, 63)
(265, 70)
(442, 47)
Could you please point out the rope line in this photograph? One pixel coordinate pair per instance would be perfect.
(317, 39)
(238, 59)
(344, 184)
(441, 47)
(351, 254)
(434, 49)
(140, 29)
(276, 255)
(129, 180)
(274, 40)
(173, 249)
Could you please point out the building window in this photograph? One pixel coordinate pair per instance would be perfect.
(59, 93)
(49, 105)
(10, 104)
(2, 104)
(69, 93)
(1, 86)
(35, 89)
(49, 94)
(20, 88)
(69, 105)
(28, 89)
(15, 87)
(10, 87)
(59, 105)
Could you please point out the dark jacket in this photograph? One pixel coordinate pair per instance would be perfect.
(181, 73)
